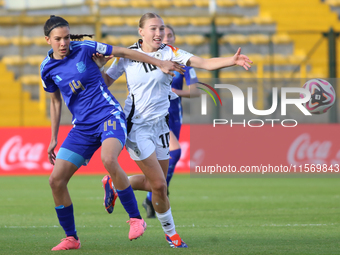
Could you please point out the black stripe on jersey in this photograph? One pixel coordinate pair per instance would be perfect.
(129, 118)
(162, 46)
(167, 120)
(133, 46)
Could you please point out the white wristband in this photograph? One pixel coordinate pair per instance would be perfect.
(101, 69)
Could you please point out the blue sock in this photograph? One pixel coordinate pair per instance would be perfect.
(129, 202)
(66, 220)
(174, 157)
(149, 196)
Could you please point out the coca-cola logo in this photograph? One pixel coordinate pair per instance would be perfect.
(304, 150)
(16, 155)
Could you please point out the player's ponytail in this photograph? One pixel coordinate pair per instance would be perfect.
(79, 37)
(56, 21)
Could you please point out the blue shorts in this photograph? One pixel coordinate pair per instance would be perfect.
(79, 146)
(175, 124)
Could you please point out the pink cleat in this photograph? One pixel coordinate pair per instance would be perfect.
(67, 243)
(137, 228)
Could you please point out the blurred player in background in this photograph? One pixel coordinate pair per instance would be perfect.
(147, 110)
(98, 120)
(175, 116)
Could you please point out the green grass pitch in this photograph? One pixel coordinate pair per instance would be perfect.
(213, 216)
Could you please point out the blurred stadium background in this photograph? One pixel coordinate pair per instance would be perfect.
(285, 39)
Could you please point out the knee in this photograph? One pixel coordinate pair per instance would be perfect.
(160, 187)
(110, 162)
(57, 183)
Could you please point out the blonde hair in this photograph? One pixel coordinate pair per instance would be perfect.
(147, 16)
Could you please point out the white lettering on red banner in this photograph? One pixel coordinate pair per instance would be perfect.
(304, 150)
(16, 155)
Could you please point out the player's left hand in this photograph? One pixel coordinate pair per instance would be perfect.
(168, 66)
(242, 60)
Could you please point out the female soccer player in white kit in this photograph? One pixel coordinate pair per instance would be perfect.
(146, 108)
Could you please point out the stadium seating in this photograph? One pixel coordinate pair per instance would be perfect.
(226, 3)
(4, 41)
(183, 3)
(201, 3)
(140, 3)
(162, 4)
(112, 21)
(16, 106)
(252, 24)
(112, 40)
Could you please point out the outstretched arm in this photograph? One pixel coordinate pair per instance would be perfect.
(218, 63)
(55, 110)
(165, 66)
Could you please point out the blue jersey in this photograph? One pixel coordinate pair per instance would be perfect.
(190, 77)
(81, 84)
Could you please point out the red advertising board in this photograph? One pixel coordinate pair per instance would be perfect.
(263, 147)
(23, 151)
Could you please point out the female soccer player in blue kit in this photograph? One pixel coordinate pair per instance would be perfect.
(147, 109)
(175, 116)
(98, 120)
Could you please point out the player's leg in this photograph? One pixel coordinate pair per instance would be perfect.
(175, 154)
(66, 164)
(155, 166)
(111, 148)
(154, 171)
(154, 179)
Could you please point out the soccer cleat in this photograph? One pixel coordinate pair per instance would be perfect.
(137, 228)
(150, 211)
(175, 241)
(67, 243)
(110, 195)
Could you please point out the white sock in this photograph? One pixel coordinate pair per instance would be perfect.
(167, 222)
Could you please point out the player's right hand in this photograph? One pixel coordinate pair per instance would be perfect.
(100, 59)
(51, 153)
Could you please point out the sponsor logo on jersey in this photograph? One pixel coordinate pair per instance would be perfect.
(81, 67)
(57, 79)
(137, 151)
(158, 55)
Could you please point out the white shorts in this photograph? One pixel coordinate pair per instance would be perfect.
(145, 138)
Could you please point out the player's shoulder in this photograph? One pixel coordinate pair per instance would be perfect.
(81, 44)
(169, 47)
(45, 62)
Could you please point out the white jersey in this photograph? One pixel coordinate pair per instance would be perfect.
(149, 88)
